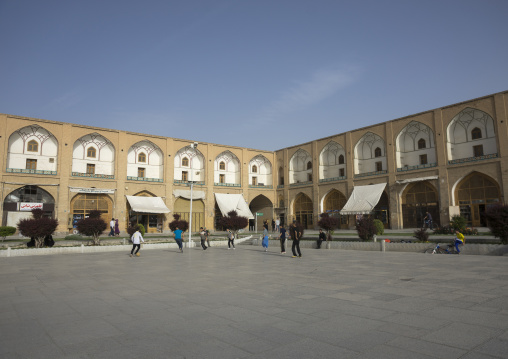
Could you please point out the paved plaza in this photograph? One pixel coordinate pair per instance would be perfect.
(246, 303)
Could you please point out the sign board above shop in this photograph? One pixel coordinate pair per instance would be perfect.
(91, 190)
(24, 206)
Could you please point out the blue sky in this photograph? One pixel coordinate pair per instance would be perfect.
(258, 74)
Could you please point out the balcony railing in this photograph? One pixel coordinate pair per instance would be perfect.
(36, 172)
(145, 179)
(92, 175)
(260, 186)
(375, 173)
(473, 159)
(196, 183)
(417, 167)
(298, 184)
(280, 186)
(332, 179)
(226, 184)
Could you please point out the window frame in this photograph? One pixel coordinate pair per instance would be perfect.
(90, 150)
(142, 157)
(32, 146)
(90, 166)
(141, 172)
(31, 164)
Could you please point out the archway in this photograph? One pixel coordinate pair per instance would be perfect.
(417, 199)
(474, 194)
(182, 207)
(19, 203)
(303, 210)
(261, 204)
(83, 203)
(333, 202)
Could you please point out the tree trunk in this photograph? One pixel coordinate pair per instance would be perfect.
(39, 242)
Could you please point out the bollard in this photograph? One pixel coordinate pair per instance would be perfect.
(383, 246)
(8, 251)
(82, 248)
(375, 238)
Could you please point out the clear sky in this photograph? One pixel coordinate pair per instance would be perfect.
(262, 74)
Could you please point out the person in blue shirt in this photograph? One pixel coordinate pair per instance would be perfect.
(179, 238)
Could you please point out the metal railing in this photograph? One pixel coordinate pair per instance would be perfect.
(260, 186)
(227, 184)
(417, 167)
(340, 178)
(374, 173)
(473, 159)
(36, 172)
(145, 179)
(298, 184)
(196, 183)
(92, 175)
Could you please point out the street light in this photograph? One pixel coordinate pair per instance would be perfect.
(193, 146)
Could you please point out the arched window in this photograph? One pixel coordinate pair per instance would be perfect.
(32, 146)
(309, 165)
(185, 162)
(341, 159)
(254, 169)
(222, 165)
(91, 152)
(421, 144)
(476, 133)
(141, 158)
(377, 152)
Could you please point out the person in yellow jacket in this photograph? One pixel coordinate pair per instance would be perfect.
(459, 239)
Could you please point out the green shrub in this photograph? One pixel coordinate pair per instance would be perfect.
(7, 231)
(380, 228)
(458, 223)
(136, 227)
(142, 229)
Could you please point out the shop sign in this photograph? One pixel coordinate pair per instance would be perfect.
(91, 190)
(24, 206)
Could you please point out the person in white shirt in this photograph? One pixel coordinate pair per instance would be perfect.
(112, 227)
(136, 239)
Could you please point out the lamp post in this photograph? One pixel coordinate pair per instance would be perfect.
(193, 146)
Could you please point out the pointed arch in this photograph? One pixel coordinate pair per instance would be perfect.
(189, 162)
(104, 161)
(230, 175)
(415, 147)
(262, 175)
(303, 210)
(470, 134)
(298, 170)
(370, 154)
(261, 204)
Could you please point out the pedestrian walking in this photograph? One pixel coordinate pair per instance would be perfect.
(264, 242)
(322, 237)
(112, 228)
(207, 233)
(231, 239)
(202, 234)
(117, 228)
(179, 238)
(273, 225)
(295, 235)
(282, 239)
(136, 239)
(277, 225)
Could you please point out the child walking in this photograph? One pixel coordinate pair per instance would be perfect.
(136, 239)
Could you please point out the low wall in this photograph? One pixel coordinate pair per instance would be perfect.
(471, 249)
(22, 252)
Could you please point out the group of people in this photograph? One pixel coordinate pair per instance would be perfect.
(114, 229)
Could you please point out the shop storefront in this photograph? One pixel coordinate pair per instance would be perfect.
(89, 199)
(148, 211)
(19, 204)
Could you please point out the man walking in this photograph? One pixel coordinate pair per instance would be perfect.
(295, 235)
(231, 239)
(282, 238)
(136, 239)
(112, 227)
(207, 234)
(179, 238)
(202, 234)
(277, 225)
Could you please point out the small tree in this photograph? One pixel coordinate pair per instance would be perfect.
(458, 223)
(328, 224)
(234, 222)
(182, 224)
(38, 227)
(7, 231)
(366, 228)
(421, 235)
(497, 221)
(380, 227)
(92, 226)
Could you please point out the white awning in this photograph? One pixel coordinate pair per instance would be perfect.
(147, 204)
(185, 193)
(230, 202)
(363, 199)
(409, 180)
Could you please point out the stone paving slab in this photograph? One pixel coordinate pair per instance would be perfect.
(246, 303)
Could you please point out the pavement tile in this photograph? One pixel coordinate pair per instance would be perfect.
(461, 335)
